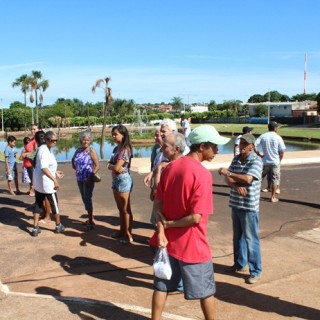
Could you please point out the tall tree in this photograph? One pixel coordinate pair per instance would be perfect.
(38, 85)
(24, 82)
(232, 107)
(304, 97)
(260, 110)
(212, 106)
(104, 85)
(257, 98)
(177, 103)
(122, 108)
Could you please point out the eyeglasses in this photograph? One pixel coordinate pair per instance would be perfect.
(53, 140)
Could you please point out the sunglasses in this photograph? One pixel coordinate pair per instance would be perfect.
(53, 140)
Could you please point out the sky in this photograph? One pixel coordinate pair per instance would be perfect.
(198, 50)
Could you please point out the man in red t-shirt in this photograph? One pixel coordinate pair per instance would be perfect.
(182, 206)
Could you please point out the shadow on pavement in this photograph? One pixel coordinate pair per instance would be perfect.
(105, 271)
(265, 303)
(237, 295)
(302, 203)
(12, 217)
(101, 237)
(89, 309)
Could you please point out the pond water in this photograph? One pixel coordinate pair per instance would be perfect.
(65, 148)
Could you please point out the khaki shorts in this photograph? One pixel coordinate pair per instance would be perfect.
(272, 171)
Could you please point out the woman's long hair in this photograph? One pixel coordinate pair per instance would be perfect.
(126, 137)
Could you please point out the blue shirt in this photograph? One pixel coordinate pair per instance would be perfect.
(10, 153)
(253, 167)
(272, 145)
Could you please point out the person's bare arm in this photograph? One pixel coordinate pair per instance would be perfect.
(187, 221)
(157, 209)
(95, 160)
(117, 167)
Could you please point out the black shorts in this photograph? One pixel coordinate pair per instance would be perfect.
(52, 198)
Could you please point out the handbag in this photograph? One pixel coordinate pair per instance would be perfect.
(161, 265)
(96, 178)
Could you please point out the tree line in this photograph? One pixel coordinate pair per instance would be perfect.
(74, 112)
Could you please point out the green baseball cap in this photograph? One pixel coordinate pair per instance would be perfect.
(206, 133)
(249, 138)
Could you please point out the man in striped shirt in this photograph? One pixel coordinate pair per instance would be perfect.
(244, 178)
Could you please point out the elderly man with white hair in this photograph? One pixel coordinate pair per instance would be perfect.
(167, 127)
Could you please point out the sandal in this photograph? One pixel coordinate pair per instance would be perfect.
(116, 235)
(126, 240)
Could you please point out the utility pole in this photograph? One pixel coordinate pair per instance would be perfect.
(305, 74)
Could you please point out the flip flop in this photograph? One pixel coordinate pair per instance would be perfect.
(116, 235)
(126, 240)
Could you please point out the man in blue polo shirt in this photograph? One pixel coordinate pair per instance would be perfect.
(244, 178)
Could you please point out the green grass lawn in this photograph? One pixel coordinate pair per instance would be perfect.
(2, 157)
(284, 131)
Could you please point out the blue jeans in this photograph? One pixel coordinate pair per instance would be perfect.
(86, 194)
(246, 243)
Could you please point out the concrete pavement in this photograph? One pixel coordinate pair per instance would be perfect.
(88, 275)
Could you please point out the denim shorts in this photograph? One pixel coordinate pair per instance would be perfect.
(197, 278)
(122, 183)
(14, 173)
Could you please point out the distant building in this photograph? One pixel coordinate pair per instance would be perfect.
(287, 109)
(199, 108)
(165, 108)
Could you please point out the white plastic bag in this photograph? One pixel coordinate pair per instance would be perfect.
(161, 266)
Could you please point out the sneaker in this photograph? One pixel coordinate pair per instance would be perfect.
(35, 231)
(234, 269)
(59, 228)
(278, 191)
(265, 190)
(253, 279)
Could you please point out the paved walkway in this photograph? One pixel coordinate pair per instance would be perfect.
(142, 165)
(88, 275)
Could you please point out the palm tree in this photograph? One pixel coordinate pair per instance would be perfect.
(38, 85)
(43, 86)
(103, 84)
(177, 103)
(25, 83)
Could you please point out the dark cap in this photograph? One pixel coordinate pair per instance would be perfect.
(248, 138)
(273, 125)
(246, 129)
